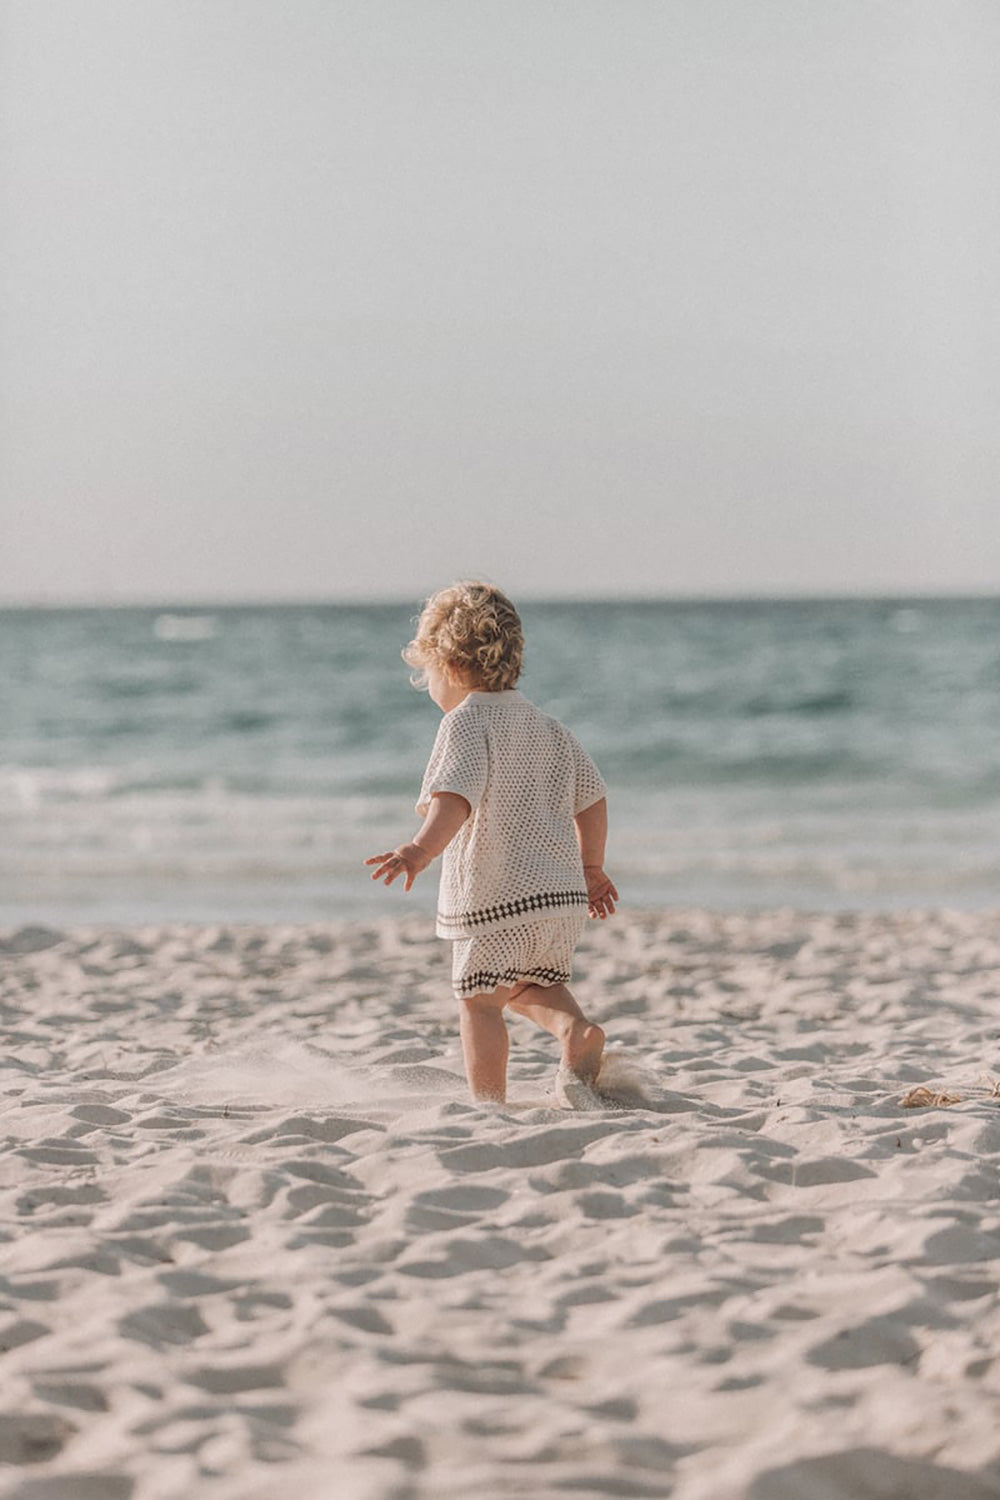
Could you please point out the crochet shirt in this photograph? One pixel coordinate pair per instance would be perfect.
(525, 776)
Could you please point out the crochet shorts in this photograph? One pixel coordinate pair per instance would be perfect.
(540, 951)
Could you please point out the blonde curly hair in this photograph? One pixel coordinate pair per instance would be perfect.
(472, 631)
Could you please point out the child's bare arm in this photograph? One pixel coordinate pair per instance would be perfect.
(445, 816)
(592, 835)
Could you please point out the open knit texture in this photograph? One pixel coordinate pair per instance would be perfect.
(525, 777)
(539, 952)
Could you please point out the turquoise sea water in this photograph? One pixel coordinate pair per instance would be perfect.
(239, 763)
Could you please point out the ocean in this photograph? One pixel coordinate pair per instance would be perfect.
(238, 763)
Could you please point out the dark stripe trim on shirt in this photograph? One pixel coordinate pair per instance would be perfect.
(473, 983)
(487, 915)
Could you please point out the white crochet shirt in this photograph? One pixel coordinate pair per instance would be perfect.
(525, 776)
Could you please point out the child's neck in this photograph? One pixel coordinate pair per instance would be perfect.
(455, 693)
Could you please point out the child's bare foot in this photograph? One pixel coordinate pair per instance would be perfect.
(583, 1049)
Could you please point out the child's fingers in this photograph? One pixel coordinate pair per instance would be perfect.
(389, 866)
(603, 905)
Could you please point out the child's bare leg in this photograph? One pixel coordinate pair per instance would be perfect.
(485, 1045)
(553, 1007)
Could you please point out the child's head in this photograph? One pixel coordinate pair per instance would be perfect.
(472, 633)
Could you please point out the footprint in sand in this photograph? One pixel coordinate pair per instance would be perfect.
(164, 1324)
(88, 1486)
(20, 1331)
(869, 1471)
(79, 1394)
(32, 1437)
(879, 1341)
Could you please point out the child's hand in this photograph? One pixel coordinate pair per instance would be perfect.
(601, 894)
(408, 860)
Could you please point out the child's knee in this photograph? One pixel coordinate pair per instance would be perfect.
(477, 1005)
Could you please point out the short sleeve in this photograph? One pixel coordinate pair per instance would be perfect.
(459, 761)
(590, 787)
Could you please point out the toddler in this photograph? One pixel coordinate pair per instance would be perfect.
(518, 810)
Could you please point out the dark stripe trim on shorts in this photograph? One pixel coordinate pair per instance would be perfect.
(473, 983)
(487, 915)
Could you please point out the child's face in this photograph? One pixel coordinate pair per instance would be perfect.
(446, 690)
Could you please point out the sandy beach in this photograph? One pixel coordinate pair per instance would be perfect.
(257, 1240)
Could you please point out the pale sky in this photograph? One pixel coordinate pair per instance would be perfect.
(320, 300)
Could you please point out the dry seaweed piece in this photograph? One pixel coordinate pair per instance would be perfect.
(925, 1098)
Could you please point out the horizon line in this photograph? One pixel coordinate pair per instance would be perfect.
(367, 601)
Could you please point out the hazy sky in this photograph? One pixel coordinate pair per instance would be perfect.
(317, 299)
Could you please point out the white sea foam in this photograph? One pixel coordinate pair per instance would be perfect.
(184, 627)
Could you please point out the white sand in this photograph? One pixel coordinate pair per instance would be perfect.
(258, 1243)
